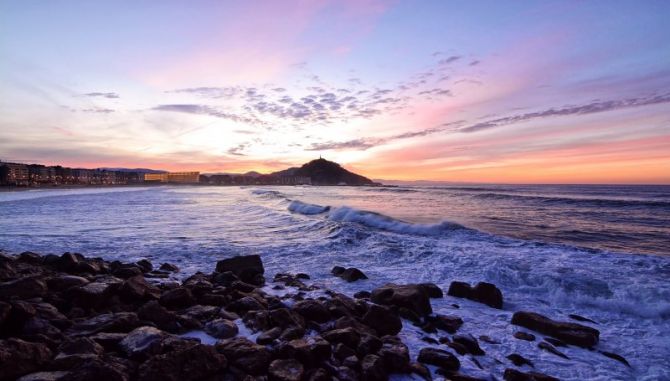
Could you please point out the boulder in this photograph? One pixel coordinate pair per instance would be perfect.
(111, 369)
(44, 376)
(64, 282)
(383, 320)
(395, 354)
(268, 336)
(483, 292)
(470, 343)
(18, 358)
(446, 323)
(169, 267)
(136, 289)
(153, 312)
(145, 265)
(519, 360)
(352, 274)
(142, 342)
(551, 349)
(312, 310)
(23, 288)
(251, 358)
(524, 336)
(221, 328)
(248, 268)
(373, 368)
(187, 364)
(177, 298)
(285, 370)
(347, 336)
(337, 270)
(439, 357)
(410, 296)
(111, 322)
(571, 333)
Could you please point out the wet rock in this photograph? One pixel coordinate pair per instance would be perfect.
(166, 320)
(136, 288)
(483, 292)
(362, 295)
(337, 270)
(269, 336)
(458, 347)
(352, 274)
(169, 267)
(383, 320)
(410, 296)
(44, 376)
(373, 368)
(555, 342)
(368, 344)
(127, 271)
(64, 282)
(571, 333)
(515, 375)
(252, 358)
(395, 354)
(193, 363)
(312, 310)
(421, 370)
(446, 323)
(551, 349)
(285, 370)
(524, 336)
(470, 343)
(282, 317)
(93, 294)
(342, 351)
(23, 288)
(177, 298)
(145, 265)
(292, 333)
(439, 357)
(616, 357)
(221, 328)
(248, 268)
(581, 318)
(519, 360)
(109, 369)
(112, 322)
(108, 340)
(432, 290)
(347, 336)
(18, 358)
(456, 376)
(142, 342)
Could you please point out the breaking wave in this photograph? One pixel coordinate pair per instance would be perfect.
(307, 209)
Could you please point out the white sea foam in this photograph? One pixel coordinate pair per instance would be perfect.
(380, 221)
(307, 209)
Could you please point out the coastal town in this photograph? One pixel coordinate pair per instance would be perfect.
(316, 172)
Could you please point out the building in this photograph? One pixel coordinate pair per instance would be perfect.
(173, 177)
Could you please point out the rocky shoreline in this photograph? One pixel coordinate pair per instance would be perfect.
(74, 318)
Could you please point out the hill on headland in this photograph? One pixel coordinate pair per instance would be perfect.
(324, 172)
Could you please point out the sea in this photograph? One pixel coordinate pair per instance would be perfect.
(598, 251)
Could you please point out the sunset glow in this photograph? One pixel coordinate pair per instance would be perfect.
(512, 92)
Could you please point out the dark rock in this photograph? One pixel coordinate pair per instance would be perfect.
(456, 376)
(519, 360)
(346, 336)
(432, 290)
(68, 262)
(221, 328)
(318, 374)
(282, 317)
(555, 342)
(515, 375)
(395, 354)
(252, 358)
(145, 265)
(368, 344)
(44, 376)
(64, 282)
(581, 318)
(142, 342)
(362, 295)
(470, 343)
(292, 333)
(483, 292)
(312, 310)
(94, 293)
(410, 296)
(439, 357)
(551, 349)
(571, 333)
(112, 322)
(108, 340)
(169, 267)
(193, 363)
(617, 357)
(421, 370)
(488, 339)
(458, 347)
(337, 270)
(267, 337)
(177, 298)
(166, 320)
(23, 288)
(446, 323)
(352, 274)
(247, 268)
(302, 276)
(18, 358)
(429, 340)
(247, 303)
(127, 271)
(137, 289)
(98, 370)
(285, 370)
(524, 336)
(383, 320)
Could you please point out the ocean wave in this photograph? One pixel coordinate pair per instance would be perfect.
(267, 193)
(596, 202)
(305, 208)
(382, 222)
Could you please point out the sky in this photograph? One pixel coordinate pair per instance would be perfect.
(468, 91)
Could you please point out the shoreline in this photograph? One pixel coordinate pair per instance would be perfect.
(73, 316)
